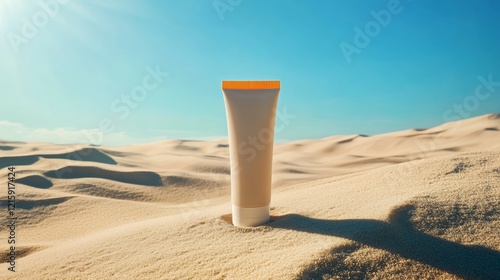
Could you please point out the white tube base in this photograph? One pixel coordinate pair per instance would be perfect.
(250, 217)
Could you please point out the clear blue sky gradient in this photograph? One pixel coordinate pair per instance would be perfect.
(423, 63)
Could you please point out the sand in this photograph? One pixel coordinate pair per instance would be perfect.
(413, 204)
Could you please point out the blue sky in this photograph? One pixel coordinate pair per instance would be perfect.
(68, 67)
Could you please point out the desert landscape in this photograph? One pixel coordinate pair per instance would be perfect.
(412, 204)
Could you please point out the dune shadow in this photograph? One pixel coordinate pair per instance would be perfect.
(15, 161)
(30, 204)
(145, 178)
(85, 154)
(21, 251)
(420, 129)
(35, 181)
(353, 138)
(346, 141)
(294, 171)
(397, 236)
(491, 129)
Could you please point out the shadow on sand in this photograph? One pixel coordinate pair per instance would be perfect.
(84, 154)
(397, 236)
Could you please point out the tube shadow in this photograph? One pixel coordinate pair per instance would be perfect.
(397, 236)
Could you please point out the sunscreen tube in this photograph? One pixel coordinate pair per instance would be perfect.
(251, 114)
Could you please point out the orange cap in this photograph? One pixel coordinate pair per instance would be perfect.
(250, 84)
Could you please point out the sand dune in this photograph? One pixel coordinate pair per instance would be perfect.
(85, 154)
(133, 177)
(419, 203)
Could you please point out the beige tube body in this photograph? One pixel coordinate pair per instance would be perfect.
(251, 114)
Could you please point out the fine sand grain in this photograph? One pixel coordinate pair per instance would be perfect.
(414, 204)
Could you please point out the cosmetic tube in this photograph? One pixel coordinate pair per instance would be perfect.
(251, 115)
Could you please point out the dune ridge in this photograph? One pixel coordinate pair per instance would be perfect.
(419, 203)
